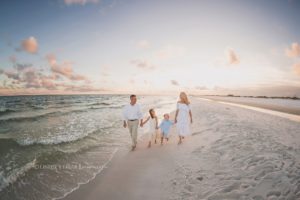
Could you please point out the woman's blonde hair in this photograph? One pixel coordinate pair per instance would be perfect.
(183, 98)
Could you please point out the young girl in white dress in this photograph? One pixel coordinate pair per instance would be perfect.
(183, 117)
(153, 126)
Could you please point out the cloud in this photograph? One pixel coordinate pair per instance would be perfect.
(30, 45)
(13, 59)
(174, 82)
(105, 8)
(80, 88)
(142, 64)
(65, 69)
(294, 51)
(132, 81)
(81, 2)
(296, 68)
(105, 74)
(21, 67)
(29, 77)
(201, 88)
(143, 44)
(170, 51)
(232, 57)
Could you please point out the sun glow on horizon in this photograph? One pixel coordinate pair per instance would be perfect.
(203, 47)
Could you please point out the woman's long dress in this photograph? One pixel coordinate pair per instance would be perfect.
(183, 122)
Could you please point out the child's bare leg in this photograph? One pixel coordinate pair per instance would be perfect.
(161, 140)
(180, 140)
(149, 144)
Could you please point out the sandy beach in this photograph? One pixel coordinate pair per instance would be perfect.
(282, 105)
(234, 153)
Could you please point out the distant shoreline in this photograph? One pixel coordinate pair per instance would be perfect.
(261, 97)
(264, 105)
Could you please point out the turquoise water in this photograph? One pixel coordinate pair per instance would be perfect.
(51, 144)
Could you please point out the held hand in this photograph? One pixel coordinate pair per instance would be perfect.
(141, 124)
(125, 125)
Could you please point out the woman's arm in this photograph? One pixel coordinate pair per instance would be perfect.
(191, 116)
(176, 114)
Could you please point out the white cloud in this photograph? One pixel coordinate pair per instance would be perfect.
(170, 51)
(143, 44)
(174, 82)
(81, 2)
(142, 64)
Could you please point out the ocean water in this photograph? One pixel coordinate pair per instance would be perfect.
(51, 144)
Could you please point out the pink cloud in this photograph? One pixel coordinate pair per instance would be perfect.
(296, 68)
(65, 69)
(232, 57)
(30, 45)
(143, 44)
(294, 51)
(81, 2)
(170, 51)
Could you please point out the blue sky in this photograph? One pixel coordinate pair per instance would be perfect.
(118, 46)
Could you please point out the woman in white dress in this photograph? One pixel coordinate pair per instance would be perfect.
(183, 117)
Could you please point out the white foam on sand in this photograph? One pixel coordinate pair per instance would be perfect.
(93, 177)
(272, 112)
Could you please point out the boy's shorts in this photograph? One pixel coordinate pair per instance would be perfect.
(163, 134)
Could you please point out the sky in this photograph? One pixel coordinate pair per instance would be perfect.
(241, 47)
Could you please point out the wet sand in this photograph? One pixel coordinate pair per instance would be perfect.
(234, 153)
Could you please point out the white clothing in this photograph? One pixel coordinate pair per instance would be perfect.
(183, 119)
(152, 124)
(152, 131)
(132, 112)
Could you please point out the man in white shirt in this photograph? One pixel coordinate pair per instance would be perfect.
(131, 115)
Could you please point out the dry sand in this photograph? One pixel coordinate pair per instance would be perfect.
(234, 153)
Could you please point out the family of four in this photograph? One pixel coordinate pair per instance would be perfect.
(133, 118)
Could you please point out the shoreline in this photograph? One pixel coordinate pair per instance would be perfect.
(89, 189)
(131, 174)
(207, 165)
(278, 108)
